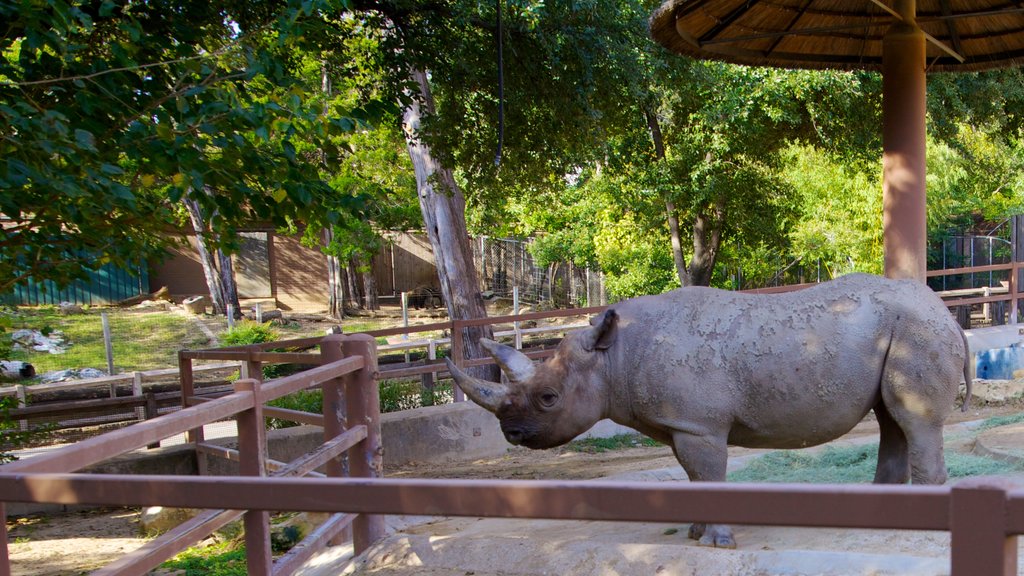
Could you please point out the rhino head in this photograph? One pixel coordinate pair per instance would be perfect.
(549, 404)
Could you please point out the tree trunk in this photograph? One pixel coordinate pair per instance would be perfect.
(670, 207)
(227, 280)
(213, 280)
(370, 297)
(352, 285)
(443, 207)
(335, 281)
(707, 238)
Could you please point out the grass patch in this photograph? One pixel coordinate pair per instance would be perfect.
(141, 340)
(618, 442)
(223, 559)
(997, 421)
(851, 464)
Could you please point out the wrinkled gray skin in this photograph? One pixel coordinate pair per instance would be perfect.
(699, 369)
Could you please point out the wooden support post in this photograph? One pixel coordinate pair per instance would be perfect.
(980, 545)
(427, 378)
(1013, 284)
(108, 345)
(5, 559)
(140, 412)
(22, 395)
(367, 461)
(515, 312)
(457, 358)
(335, 412)
(151, 410)
(187, 391)
(252, 461)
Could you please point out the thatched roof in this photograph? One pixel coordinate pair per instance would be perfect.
(843, 34)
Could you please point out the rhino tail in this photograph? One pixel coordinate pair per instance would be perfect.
(968, 372)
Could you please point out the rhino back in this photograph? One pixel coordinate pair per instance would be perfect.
(785, 370)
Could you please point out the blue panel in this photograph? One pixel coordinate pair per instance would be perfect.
(107, 285)
(1000, 363)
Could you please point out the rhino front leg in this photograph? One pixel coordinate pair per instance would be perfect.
(704, 458)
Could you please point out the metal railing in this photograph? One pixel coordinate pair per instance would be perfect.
(984, 516)
(347, 377)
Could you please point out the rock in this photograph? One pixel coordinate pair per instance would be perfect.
(36, 340)
(269, 315)
(68, 308)
(16, 369)
(71, 374)
(154, 304)
(997, 391)
(195, 305)
(158, 519)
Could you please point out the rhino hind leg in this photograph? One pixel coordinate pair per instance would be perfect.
(919, 384)
(893, 454)
(712, 535)
(704, 457)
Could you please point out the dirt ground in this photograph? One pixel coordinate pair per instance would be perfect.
(77, 542)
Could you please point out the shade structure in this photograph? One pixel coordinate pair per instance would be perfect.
(903, 39)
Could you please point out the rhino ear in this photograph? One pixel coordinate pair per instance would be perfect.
(604, 332)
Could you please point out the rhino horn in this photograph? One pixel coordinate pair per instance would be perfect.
(516, 365)
(488, 395)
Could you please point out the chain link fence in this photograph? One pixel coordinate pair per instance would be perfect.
(506, 264)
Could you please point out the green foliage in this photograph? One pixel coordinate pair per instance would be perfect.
(396, 395)
(619, 442)
(11, 435)
(635, 261)
(114, 111)
(997, 421)
(311, 401)
(249, 332)
(851, 464)
(223, 559)
(840, 209)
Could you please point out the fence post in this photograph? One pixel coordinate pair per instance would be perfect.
(140, 412)
(980, 545)
(194, 435)
(457, 358)
(515, 312)
(108, 344)
(259, 312)
(19, 392)
(231, 315)
(1015, 270)
(335, 415)
(363, 402)
(252, 459)
(5, 559)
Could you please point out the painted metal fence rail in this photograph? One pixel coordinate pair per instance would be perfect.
(106, 285)
(347, 377)
(983, 516)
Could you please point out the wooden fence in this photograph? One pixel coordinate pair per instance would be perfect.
(347, 376)
(984, 516)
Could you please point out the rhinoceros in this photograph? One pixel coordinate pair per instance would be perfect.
(700, 369)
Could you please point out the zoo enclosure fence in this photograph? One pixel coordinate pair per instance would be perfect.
(984, 517)
(1002, 303)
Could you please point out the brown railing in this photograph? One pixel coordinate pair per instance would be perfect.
(347, 376)
(983, 516)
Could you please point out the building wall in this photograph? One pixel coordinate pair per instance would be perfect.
(299, 274)
(270, 265)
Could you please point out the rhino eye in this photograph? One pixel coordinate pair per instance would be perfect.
(548, 398)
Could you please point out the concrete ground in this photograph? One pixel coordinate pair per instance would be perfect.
(497, 547)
